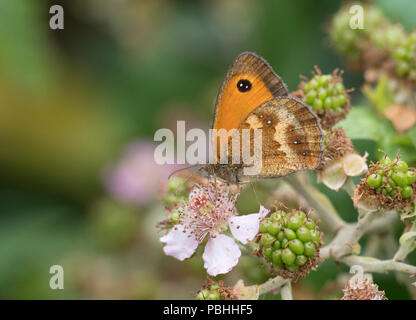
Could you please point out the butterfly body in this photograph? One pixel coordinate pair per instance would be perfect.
(252, 96)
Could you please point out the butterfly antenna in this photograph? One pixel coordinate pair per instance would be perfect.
(181, 169)
(255, 194)
(185, 181)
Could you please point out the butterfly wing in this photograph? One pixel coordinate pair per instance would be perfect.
(249, 82)
(292, 139)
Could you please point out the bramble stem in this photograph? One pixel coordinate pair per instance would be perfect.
(408, 245)
(286, 291)
(375, 265)
(272, 284)
(316, 200)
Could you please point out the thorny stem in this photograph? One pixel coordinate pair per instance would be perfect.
(348, 236)
(311, 195)
(375, 265)
(407, 246)
(286, 291)
(272, 284)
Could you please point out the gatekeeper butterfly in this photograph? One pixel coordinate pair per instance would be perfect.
(253, 96)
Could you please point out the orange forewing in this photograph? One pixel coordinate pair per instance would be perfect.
(232, 105)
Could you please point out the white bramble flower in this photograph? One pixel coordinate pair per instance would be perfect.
(209, 212)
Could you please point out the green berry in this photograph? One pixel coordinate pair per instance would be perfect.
(266, 239)
(290, 234)
(296, 246)
(277, 258)
(385, 162)
(203, 294)
(339, 87)
(322, 94)
(315, 236)
(294, 223)
(374, 180)
(304, 234)
(301, 260)
(313, 84)
(274, 228)
(292, 267)
(318, 104)
(400, 178)
(401, 166)
(281, 236)
(310, 97)
(267, 253)
(342, 100)
(310, 249)
(214, 286)
(264, 225)
(300, 214)
(411, 177)
(328, 103)
(277, 245)
(288, 257)
(310, 224)
(407, 192)
(335, 102)
(284, 243)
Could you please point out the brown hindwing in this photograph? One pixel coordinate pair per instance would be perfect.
(292, 138)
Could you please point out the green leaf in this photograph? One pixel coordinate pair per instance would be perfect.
(362, 123)
(381, 97)
(412, 135)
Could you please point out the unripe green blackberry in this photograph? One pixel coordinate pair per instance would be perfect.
(211, 292)
(388, 37)
(346, 41)
(327, 96)
(404, 57)
(352, 42)
(392, 178)
(296, 242)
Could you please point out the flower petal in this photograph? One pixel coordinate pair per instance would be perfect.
(244, 228)
(180, 244)
(334, 176)
(263, 212)
(221, 254)
(355, 165)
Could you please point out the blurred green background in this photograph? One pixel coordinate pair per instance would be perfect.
(72, 99)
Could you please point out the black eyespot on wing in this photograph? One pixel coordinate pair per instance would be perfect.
(243, 85)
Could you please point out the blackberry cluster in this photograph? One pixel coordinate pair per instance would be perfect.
(405, 58)
(289, 240)
(392, 178)
(352, 42)
(325, 92)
